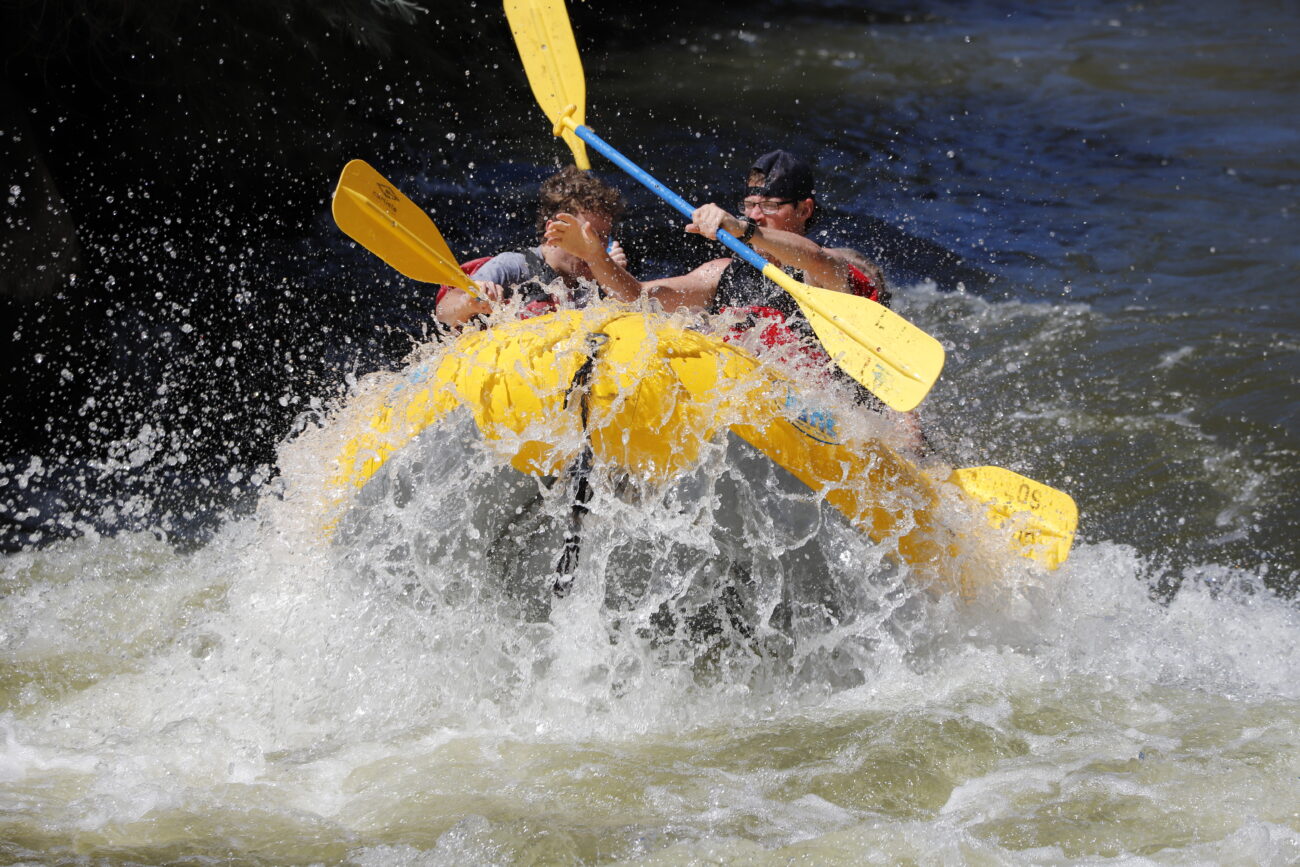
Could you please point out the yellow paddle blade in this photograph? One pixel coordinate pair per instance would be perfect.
(891, 357)
(376, 215)
(1043, 519)
(550, 55)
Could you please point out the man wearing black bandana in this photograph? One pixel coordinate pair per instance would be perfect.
(775, 212)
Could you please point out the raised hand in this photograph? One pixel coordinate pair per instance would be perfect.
(574, 236)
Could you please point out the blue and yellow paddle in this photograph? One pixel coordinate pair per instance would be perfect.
(890, 356)
(887, 354)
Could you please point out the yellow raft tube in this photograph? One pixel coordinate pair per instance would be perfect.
(655, 393)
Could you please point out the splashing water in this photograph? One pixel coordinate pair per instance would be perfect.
(735, 676)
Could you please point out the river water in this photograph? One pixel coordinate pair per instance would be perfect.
(1126, 172)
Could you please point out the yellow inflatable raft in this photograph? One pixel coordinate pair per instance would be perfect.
(653, 393)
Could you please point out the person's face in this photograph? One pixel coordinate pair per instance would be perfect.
(569, 265)
(788, 215)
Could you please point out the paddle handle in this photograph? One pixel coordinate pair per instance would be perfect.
(728, 240)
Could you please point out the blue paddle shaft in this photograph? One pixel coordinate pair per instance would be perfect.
(728, 240)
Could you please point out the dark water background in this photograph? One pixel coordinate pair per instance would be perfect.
(1117, 180)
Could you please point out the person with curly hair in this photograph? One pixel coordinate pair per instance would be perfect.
(542, 277)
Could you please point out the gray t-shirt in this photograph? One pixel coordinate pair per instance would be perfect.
(525, 273)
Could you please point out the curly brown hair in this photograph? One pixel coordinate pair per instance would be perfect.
(571, 190)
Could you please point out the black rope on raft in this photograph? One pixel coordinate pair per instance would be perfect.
(579, 472)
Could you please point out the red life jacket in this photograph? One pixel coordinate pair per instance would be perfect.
(469, 268)
(775, 333)
(861, 284)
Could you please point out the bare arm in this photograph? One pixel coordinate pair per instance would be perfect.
(824, 267)
(692, 291)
